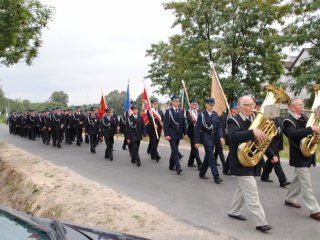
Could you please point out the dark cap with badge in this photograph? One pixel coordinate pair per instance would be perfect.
(134, 107)
(193, 100)
(108, 110)
(210, 101)
(259, 102)
(92, 109)
(155, 100)
(174, 98)
(233, 106)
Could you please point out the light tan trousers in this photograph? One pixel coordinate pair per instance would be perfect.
(247, 192)
(301, 183)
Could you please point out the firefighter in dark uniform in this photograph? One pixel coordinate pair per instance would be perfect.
(174, 127)
(57, 124)
(67, 126)
(154, 124)
(122, 125)
(92, 125)
(47, 127)
(108, 129)
(207, 131)
(135, 131)
(32, 123)
(78, 120)
(192, 116)
(115, 118)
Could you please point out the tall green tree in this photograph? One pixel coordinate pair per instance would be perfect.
(236, 37)
(59, 97)
(21, 24)
(116, 99)
(304, 31)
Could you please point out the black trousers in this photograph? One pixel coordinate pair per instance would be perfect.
(108, 141)
(194, 154)
(93, 140)
(56, 138)
(267, 169)
(135, 145)
(219, 152)
(209, 161)
(174, 157)
(78, 131)
(153, 145)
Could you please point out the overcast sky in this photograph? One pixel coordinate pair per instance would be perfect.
(91, 46)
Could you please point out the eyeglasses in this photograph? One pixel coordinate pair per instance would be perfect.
(247, 104)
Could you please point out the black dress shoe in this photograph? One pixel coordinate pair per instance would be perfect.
(179, 171)
(203, 177)
(111, 158)
(138, 164)
(218, 180)
(172, 168)
(192, 165)
(199, 167)
(284, 184)
(180, 156)
(263, 228)
(266, 180)
(291, 204)
(239, 217)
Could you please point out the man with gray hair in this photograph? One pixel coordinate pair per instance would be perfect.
(295, 129)
(246, 191)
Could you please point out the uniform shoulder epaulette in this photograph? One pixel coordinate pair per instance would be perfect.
(289, 120)
(233, 119)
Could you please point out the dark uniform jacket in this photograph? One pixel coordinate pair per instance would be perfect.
(174, 124)
(92, 124)
(238, 133)
(108, 126)
(135, 128)
(78, 119)
(191, 123)
(276, 144)
(208, 129)
(295, 130)
(150, 125)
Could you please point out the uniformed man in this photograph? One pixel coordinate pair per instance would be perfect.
(123, 123)
(246, 191)
(207, 131)
(68, 126)
(92, 125)
(154, 128)
(174, 127)
(108, 129)
(78, 120)
(192, 116)
(57, 126)
(135, 131)
(115, 118)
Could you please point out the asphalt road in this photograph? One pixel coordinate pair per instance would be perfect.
(186, 197)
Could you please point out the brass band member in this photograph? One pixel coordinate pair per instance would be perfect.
(295, 129)
(246, 191)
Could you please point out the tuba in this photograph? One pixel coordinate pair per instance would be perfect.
(308, 145)
(250, 153)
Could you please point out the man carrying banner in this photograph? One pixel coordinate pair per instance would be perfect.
(154, 128)
(192, 116)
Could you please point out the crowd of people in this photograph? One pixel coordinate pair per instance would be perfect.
(204, 128)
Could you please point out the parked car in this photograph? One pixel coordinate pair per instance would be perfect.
(16, 225)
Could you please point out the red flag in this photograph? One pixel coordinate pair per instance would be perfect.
(102, 107)
(145, 106)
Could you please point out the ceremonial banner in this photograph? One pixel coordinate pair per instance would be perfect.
(217, 93)
(102, 107)
(145, 106)
(127, 102)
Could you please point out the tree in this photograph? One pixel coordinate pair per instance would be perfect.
(236, 37)
(116, 100)
(60, 98)
(21, 23)
(305, 31)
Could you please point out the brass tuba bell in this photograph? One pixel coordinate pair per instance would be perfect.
(250, 153)
(308, 145)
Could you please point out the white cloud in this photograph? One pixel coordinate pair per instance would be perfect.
(91, 46)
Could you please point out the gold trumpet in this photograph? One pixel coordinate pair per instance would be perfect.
(250, 153)
(308, 145)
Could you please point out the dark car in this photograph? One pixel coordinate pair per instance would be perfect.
(16, 225)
